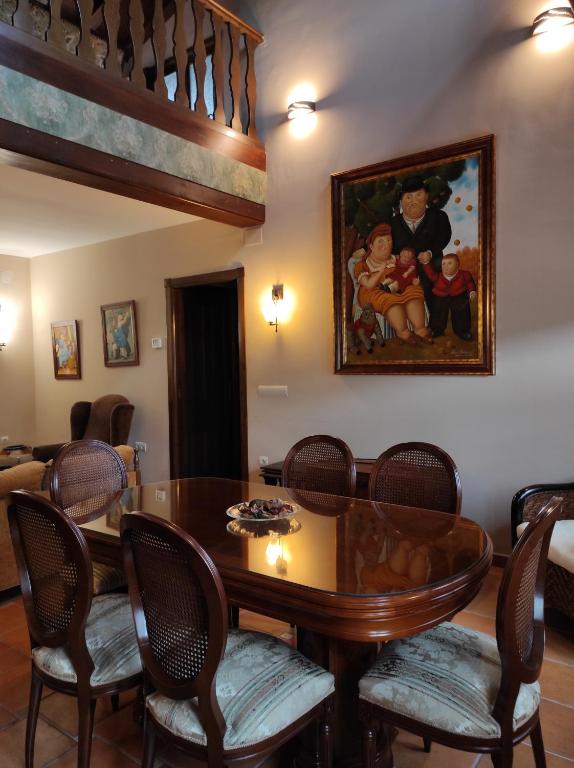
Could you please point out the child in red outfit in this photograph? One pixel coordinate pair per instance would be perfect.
(403, 274)
(453, 290)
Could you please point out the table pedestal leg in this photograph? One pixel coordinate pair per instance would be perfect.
(347, 661)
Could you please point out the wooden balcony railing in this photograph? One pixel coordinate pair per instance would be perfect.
(194, 53)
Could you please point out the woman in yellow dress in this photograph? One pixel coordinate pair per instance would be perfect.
(398, 309)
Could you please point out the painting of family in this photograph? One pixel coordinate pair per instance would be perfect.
(414, 263)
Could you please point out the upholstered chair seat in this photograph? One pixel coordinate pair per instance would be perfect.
(107, 578)
(111, 642)
(447, 677)
(561, 550)
(262, 686)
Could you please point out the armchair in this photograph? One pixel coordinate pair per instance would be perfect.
(107, 419)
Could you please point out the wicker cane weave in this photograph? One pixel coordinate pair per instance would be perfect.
(417, 475)
(84, 474)
(218, 696)
(81, 646)
(320, 463)
(559, 591)
(459, 687)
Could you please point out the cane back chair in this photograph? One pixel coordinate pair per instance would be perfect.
(465, 689)
(218, 695)
(83, 476)
(82, 646)
(416, 475)
(559, 590)
(320, 463)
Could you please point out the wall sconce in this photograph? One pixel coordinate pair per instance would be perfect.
(298, 109)
(2, 331)
(277, 299)
(555, 25)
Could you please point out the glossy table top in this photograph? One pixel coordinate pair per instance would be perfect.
(333, 544)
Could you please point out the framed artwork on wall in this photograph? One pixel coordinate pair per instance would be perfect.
(413, 263)
(66, 349)
(119, 332)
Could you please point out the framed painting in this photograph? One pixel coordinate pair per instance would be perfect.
(66, 349)
(413, 263)
(119, 332)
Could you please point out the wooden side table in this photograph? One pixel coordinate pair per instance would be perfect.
(271, 475)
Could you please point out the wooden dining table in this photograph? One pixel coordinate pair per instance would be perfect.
(348, 573)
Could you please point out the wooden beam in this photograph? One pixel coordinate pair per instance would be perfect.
(36, 151)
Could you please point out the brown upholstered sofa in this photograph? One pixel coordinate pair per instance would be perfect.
(34, 476)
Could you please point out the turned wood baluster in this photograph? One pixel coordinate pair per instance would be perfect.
(22, 18)
(112, 22)
(218, 67)
(158, 43)
(55, 33)
(250, 86)
(180, 50)
(199, 57)
(137, 33)
(235, 77)
(86, 9)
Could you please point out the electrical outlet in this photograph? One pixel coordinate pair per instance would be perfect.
(141, 447)
(5, 439)
(263, 461)
(160, 494)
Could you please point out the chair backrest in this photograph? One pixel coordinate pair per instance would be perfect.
(180, 612)
(527, 503)
(416, 475)
(55, 573)
(108, 419)
(520, 610)
(320, 463)
(86, 471)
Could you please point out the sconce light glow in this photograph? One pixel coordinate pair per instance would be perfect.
(301, 110)
(277, 312)
(554, 29)
(7, 322)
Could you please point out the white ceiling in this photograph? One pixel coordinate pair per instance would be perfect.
(40, 214)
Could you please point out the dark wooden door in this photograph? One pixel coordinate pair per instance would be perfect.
(208, 428)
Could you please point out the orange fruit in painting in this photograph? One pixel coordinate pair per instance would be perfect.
(469, 207)
(457, 199)
(457, 242)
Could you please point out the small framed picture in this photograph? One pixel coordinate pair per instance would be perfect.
(66, 349)
(119, 331)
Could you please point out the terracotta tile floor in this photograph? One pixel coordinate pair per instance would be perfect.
(117, 739)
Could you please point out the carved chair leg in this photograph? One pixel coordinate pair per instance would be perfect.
(36, 686)
(86, 710)
(427, 742)
(538, 746)
(504, 758)
(326, 736)
(115, 699)
(149, 743)
(369, 745)
(234, 616)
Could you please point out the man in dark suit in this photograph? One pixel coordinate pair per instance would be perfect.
(425, 229)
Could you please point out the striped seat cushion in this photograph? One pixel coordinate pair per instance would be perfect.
(107, 578)
(447, 677)
(262, 686)
(111, 642)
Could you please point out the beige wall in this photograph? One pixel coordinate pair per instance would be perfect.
(74, 284)
(16, 361)
(392, 77)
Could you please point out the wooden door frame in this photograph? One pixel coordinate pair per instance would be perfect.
(176, 362)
